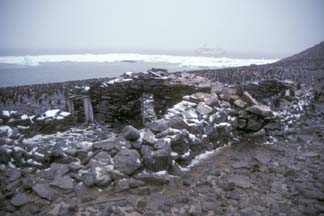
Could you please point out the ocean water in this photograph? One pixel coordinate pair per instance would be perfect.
(48, 68)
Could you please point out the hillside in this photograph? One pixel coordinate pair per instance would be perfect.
(314, 53)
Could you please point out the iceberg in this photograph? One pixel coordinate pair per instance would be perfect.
(182, 61)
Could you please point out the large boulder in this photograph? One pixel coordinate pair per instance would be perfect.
(130, 133)
(127, 161)
(157, 160)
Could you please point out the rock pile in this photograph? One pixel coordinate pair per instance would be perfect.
(14, 126)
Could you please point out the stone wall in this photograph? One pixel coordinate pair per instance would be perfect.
(310, 73)
(121, 100)
(37, 99)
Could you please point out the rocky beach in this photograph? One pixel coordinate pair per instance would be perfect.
(234, 141)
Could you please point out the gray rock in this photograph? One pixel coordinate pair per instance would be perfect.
(217, 87)
(130, 133)
(75, 167)
(218, 117)
(148, 138)
(88, 179)
(21, 199)
(4, 156)
(100, 159)
(195, 209)
(13, 174)
(127, 161)
(134, 183)
(122, 185)
(28, 183)
(204, 109)
(254, 124)
(212, 100)
(152, 178)
(57, 169)
(112, 146)
(239, 181)
(240, 103)
(190, 114)
(180, 143)
(44, 191)
(199, 97)
(137, 144)
(261, 110)
(175, 170)
(65, 183)
(249, 99)
(310, 154)
(221, 131)
(57, 151)
(104, 180)
(157, 126)
(157, 160)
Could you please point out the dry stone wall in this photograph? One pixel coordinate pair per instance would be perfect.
(121, 100)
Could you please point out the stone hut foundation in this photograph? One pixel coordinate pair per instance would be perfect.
(132, 99)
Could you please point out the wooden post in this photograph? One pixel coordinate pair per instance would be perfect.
(88, 111)
(71, 108)
(143, 109)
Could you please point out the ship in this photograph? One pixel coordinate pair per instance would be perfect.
(205, 51)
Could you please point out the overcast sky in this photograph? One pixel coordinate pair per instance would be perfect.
(261, 26)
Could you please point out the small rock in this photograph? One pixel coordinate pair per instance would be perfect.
(261, 110)
(204, 109)
(21, 199)
(195, 209)
(13, 174)
(157, 126)
(148, 138)
(212, 100)
(44, 191)
(240, 181)
(249, 99)
(190, 114)
(130, 133)
(240, 103)
(4, 156)
(154, 179)
(134, 183)
(65, 183)
(89, 179)
(122, 185)
(310, 154)
(57, 151)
